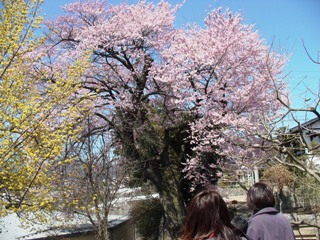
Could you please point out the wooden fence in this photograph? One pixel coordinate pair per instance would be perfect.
(305, 232)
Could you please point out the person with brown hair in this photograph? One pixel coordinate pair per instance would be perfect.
(208, 218)
(266, 223)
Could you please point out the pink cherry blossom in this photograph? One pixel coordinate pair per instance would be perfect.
(223, 76)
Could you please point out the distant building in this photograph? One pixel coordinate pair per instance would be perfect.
(120, 228)
(120, 224)
(310, 133)
(310, 130)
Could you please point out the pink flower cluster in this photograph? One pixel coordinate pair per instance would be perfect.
(223, 74)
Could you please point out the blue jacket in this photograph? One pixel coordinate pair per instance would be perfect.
(269, 224)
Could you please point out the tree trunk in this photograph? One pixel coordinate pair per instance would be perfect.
(102, 230)
(173, 202)
(156, 155)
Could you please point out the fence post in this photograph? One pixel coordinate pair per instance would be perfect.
(317, 229)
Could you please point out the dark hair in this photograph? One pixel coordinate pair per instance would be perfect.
(240, 223)
(207, 214)
(260, 196)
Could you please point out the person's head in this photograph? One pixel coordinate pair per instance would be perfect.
(207, 214)
(260, 196)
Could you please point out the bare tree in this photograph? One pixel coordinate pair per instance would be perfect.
(316, 61)
(89, 186)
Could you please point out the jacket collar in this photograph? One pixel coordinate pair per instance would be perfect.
(267, 210)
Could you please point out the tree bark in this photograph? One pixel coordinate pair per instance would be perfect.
(156, 155)
(173, 203)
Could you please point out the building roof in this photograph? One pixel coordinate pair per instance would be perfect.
(305, 124)
(11, 228)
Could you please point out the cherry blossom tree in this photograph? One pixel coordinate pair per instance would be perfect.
(181, 101)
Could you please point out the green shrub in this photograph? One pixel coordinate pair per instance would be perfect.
(147, 216)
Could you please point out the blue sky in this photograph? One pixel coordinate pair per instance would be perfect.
(281, 22)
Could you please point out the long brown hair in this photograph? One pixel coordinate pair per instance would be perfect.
(208, 214)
